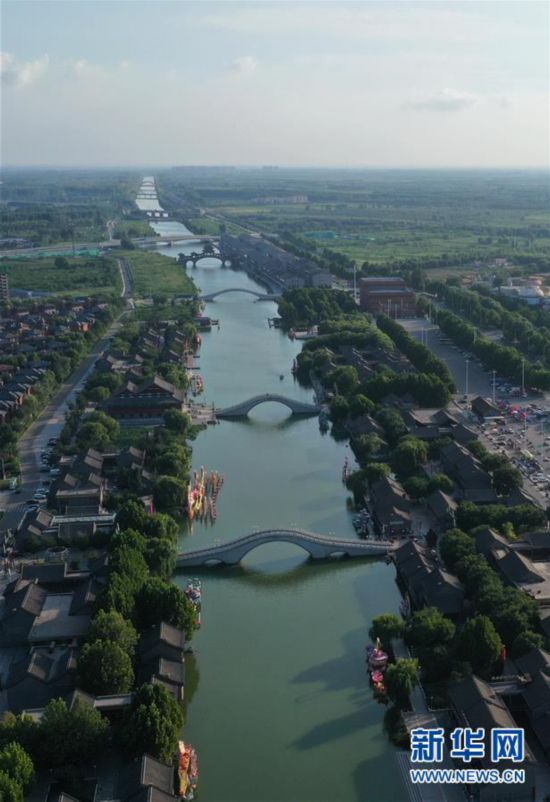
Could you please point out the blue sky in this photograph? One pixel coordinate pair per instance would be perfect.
(116, 82)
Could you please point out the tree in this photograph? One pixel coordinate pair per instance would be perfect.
(93, 435)
(454, 546)
(339, 409)
(158, 601)
(429, 627)
(525, 642)
(386, 627)
(376, 470)
(153, 724)
(105, 668)
(74, 736)
(401, 678)
(479, 644)
(118, 595)
(129, 563)
(132, 515)
(10, 789)
(110, 625)
(409, 454)
(61, 262)
(169, 493)
(360, 405)
(174, 462)
(161, 556)
(160, 525)
(17, 764)
(177, 422)
(507, 478)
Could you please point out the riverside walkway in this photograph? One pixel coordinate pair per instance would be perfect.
(317, 546)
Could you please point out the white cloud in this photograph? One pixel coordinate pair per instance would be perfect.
(22, 73)
(445, 100)
(243, 64)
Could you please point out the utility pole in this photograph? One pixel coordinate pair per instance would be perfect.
(467, 367)
(354, 283)
(522, 376)
(494, 386)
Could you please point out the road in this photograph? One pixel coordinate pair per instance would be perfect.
(51, 420)
(127, 280)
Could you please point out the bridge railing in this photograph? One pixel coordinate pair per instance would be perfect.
(297, 533)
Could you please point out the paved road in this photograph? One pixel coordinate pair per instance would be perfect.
(51, 421)
(479, 380)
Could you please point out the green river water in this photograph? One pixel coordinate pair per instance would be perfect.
(278, 702)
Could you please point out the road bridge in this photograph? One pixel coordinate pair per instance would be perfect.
(318, 547)
(261, 296)
(242, 409)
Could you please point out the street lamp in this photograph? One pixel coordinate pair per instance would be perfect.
(467, 367)
(522, 376)
(494, 386)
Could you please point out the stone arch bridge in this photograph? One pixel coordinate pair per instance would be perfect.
(317, 546)
(242, 409)
(261, 296)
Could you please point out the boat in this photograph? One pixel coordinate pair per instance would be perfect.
(188, 773)
(281, 377)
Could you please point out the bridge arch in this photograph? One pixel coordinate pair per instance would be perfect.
(261, 296)
(242, 409)
(316, 546)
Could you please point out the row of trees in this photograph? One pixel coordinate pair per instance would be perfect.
(505, 359)
(419, 355)
(311, 305)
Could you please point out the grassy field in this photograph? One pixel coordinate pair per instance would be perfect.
(383, 216)
(82, 275)
(154, 273)
(133, 228)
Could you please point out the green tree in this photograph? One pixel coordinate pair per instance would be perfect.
(17, 764)
(376, 470)
(118, 595)
(401, 678)
(386, 627)
(161, 556)
(526, 642)
(169, 493)
(454, 546)
(177, 422)
(132, 515)
(105, 668)
(360, 405)
(158, 601)
(479, 644)
(429, 627)
(507, 478)
(409, 454)
(153, 724)
(74, 736)
(93, 435)
(10, 789)
(110, 625)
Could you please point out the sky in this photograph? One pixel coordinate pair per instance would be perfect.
(370, 83)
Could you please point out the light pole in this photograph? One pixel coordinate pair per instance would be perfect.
(467, 367)
(522, 376)
(494, 386)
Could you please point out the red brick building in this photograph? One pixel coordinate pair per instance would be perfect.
(387, 294)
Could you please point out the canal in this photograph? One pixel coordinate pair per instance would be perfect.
(278, 702)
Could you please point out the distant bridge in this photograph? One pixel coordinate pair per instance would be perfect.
(242, 409)
(317, 546)
(261, 296)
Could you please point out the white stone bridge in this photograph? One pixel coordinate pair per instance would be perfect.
(261, 296)
(317, 546)
(242, 409)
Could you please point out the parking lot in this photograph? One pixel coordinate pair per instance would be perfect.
(524, 437)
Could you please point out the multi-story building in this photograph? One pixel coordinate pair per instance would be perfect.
(387, 294)
(4, 288)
